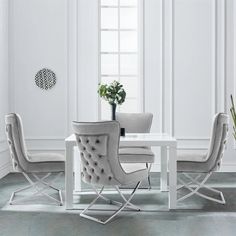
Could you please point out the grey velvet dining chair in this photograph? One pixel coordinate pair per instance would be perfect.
(136, 123)
(32, 165)
(98, 144)
(194, 170)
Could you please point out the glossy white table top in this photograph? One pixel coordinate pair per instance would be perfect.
(137, 139)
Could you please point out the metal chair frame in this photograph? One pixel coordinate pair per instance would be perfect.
(35, 185)
(194, 186)
(149, 177)
(125, 204)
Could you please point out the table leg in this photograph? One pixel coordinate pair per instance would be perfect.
(77, 172)
(69, 184)
(172, 177)
(164, 168)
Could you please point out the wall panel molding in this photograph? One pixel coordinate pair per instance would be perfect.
(45, 144)
(38, 138)
(153, 57)
(78, 82)
(3, 146)
(5, 169)
(162, 72)
(218, 79)
(167, 73)
(226, 167)
(221, 55)
(50, 149)
(72, 59)
(214, 57)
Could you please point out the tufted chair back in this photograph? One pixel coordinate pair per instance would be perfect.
(135, 122)
(98, 144)
(16, 143)
(218, 141)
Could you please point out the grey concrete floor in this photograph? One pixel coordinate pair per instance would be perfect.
(195, 216)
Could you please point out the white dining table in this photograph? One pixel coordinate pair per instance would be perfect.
(167, 143)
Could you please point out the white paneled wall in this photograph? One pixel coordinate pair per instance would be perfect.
(38, 39)
(194, 68)
(199, 75)
(153, 61)
(230, 83)
(87, 64)
(4, 105)
(188, 67)
(186, 78)
(186, 70)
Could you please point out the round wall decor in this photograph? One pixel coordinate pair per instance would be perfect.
(45, 79)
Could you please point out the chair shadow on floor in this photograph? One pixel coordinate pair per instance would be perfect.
(149, 201)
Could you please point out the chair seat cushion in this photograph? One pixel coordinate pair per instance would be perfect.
(192, 162)
(134, 177)
(46, 162)
(48, 157)
(136, 155)
(132, 167)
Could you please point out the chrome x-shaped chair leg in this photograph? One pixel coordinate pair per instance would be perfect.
(198, 186)
(38, 190)
(126, 204)
(149, 178)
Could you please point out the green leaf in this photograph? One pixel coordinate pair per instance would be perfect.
(233, 114)
(114, 93)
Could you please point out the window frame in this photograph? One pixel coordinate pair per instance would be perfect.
(139, 52)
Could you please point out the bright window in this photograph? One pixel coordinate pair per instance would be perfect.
(121, 51)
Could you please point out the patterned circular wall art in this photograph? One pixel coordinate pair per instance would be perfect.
(45, 79)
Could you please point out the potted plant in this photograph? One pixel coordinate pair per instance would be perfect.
(233, 114)
(114, 93)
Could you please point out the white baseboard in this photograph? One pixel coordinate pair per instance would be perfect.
(5, 169)
(225, 167)
(5, 163)
(228, 167)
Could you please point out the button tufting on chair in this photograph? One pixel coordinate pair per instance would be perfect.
(87, 141)
(102, 163)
